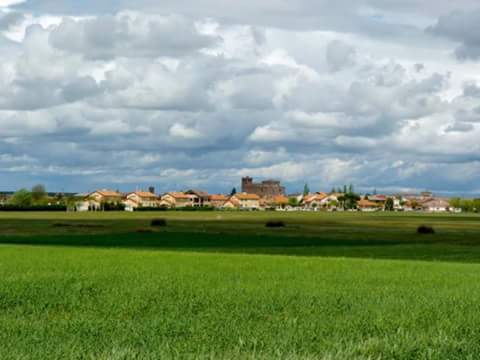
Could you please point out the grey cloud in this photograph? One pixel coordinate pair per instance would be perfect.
(9, 19)
(130, 35)
(80, 88)
(471, 90)
(155, 101)
(39, 94)
(459, 127)
(339, 55)
(462, 27)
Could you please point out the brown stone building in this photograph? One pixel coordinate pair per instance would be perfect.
(267, 188)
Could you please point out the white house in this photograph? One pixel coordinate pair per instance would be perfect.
(141, 199)
(436, 205)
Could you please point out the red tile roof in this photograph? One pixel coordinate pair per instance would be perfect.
(144, 194)
(218, 198)
(244, 196)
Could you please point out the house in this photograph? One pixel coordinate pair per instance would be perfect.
(367, 205)
(232, 203)
(5, 197)
(279, 202)
(331, 202)
(398, 203)
(201, 198)
(177, 200)
(83, 203)
(141, 199)
(314, 201)
(380, 200)
(106, 196)
(436, 205)
(217, 200)
(243, 201)
(94, 201)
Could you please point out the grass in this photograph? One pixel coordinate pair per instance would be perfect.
(222, 285)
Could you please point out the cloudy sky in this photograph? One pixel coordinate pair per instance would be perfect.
(383, 94)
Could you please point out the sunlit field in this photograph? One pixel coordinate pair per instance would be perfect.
(223, 285)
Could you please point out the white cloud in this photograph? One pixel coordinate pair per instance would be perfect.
(181, 131)
(7, 3)
(356, 92)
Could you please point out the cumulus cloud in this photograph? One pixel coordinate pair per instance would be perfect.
(353, 93)
(339, 55)
(129, 34)
(7, 3)
(462, 27)
(9, 19)
(459, 127)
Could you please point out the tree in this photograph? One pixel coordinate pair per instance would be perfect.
(22, 197)
(415, 205)
(293, 202)
(389, 204)
(38, 193)
(233, 192)
(350, 189)
(476, 205)
(351, 200)
(456, 203)
(306, 190)
(341, 201)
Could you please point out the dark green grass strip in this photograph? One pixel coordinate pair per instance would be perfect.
(425, 248)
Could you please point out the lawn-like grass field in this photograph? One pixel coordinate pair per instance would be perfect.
(222, 285)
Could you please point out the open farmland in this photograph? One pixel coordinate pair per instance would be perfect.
(223, 285)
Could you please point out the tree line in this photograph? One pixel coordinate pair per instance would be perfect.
(467, 205)
(36, 198)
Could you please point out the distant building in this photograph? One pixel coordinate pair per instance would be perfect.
(368, 205)
(267, 188)
(314, 201)
(141, 199)
(243, 201)
(106, 196)
(5, 197)
(201, 198)
(424, 195)
(178, 200)
(217, 200)
(436, 205)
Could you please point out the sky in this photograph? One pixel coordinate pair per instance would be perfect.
(382, 94)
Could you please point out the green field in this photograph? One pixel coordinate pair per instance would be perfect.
(222, 285)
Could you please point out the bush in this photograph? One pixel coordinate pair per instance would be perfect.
(158, 222)
(113, 207)
(196, 208)
(423, 229)
(145, 208)
(43, 208)
(275, 224)
(186, 208)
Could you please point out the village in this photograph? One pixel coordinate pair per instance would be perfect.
(266, 195)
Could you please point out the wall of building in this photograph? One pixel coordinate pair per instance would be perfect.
(269, 188)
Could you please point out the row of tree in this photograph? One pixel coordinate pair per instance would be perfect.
(37, 196)
(467, 205)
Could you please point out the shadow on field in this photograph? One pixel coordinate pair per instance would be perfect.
(256, 244)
